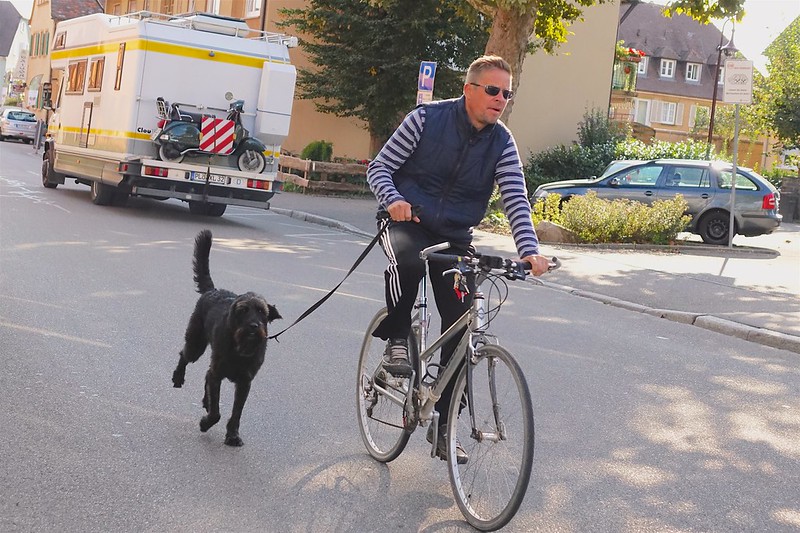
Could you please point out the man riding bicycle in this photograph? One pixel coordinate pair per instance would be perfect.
(446, 157)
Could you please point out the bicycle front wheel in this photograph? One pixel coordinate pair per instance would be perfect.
(380, 400)
(490, 486)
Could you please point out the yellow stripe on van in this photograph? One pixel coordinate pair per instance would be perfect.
(164, 48)
(126, 135)
(108, 133)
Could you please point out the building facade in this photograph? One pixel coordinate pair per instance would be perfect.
(677, 79)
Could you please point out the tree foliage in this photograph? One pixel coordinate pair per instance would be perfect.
(367, 56)
(705, 10)
(778, 95)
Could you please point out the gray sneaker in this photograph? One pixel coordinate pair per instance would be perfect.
(395, 358)
(441, 446)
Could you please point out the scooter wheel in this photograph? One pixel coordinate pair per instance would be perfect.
(251, 161)
(169, 152)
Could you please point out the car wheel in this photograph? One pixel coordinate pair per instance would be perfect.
(102, 194)
(713, 227)
(47, 172)
(206, 209)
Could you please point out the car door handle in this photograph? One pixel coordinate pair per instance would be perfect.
(704, 196)
(648, 193)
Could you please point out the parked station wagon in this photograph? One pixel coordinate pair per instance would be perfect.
(706, 186)
(16, 123)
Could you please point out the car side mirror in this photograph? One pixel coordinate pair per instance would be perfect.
(614, 182)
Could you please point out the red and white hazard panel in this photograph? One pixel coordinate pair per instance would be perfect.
(216, 135)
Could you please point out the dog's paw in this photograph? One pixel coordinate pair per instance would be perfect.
(233, 440)
(207, 422)
(178, 379)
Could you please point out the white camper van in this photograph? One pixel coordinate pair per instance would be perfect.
(110, 75)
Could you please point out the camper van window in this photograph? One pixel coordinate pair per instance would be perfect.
(61, 40)
(96, 73)
(120, 62)
(77, 77)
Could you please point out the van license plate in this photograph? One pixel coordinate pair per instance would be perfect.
(213, 178)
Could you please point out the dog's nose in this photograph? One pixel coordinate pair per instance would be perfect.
(254, 325)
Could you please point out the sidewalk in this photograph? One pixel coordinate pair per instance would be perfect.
(751, 291)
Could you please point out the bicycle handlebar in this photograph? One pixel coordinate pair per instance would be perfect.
(508, 267)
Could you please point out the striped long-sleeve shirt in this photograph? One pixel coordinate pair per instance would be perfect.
(508, 176)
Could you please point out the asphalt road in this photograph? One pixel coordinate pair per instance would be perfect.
(642, 424)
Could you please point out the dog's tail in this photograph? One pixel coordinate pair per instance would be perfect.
(202, 274)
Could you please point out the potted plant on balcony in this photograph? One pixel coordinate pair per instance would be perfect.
(625, 54)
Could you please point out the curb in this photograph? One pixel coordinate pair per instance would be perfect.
(754, 334)
(320, 220)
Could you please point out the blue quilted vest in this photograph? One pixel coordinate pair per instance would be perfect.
(451, 173)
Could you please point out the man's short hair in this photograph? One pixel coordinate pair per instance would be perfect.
(485, 63)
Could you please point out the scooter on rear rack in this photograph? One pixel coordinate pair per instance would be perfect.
(181, 133)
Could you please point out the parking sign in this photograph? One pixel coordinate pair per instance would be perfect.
(427, 71)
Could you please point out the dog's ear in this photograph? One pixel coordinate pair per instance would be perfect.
(273, 313)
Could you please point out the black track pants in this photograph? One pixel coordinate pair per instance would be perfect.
(402, 243)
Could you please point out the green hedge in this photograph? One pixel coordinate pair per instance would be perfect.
(596, 220)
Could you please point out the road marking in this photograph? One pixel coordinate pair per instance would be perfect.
(48, 333)
(27, 194)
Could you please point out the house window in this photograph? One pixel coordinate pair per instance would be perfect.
(36, 46)
(167, 6)
(131, 6)
(212, 6)
(641, 69)
(721, 76)
(191, 7)
(146, 5)
(96, 73)
(116, 9)
(61, 41)
(76, 77)
(253, 8)
(641, 111)
(45, 43)
(667, 68)
(693, 72)
(668, 112)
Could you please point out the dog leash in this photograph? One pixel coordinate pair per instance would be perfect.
(333, 290)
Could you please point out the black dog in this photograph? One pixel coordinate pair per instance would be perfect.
(236, 328)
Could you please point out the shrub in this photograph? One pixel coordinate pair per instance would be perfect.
(547, 208)
(595, 220)
(636, 149)
(318, 151)
(567, 162)
(595, 129)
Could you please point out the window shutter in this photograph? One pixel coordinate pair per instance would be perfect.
(679, 114)
(692, 115)
(655, 114)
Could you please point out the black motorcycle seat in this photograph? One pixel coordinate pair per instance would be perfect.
(186, 116)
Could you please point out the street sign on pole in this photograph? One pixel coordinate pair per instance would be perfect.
(738, 82)
(427, 73)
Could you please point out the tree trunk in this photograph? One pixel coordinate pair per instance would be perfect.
(511, 31)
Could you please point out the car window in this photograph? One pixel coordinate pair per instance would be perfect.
(613, 167)
(742, 181)
(689, 177)
(22, 116)
(644, 176)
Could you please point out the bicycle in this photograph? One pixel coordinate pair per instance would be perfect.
(493, 418)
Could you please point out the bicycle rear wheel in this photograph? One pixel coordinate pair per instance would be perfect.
(380, 400)
(490, 487)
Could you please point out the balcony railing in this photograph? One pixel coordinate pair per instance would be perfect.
(624, 77)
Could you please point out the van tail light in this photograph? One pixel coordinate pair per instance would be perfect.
(161, 123)
(768, 202)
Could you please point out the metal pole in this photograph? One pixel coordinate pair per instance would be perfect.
(714, 99)
(731, 225)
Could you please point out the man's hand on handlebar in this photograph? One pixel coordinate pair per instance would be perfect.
(539, 264)
(400, 211)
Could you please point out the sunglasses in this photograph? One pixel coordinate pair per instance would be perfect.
(491, 90)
